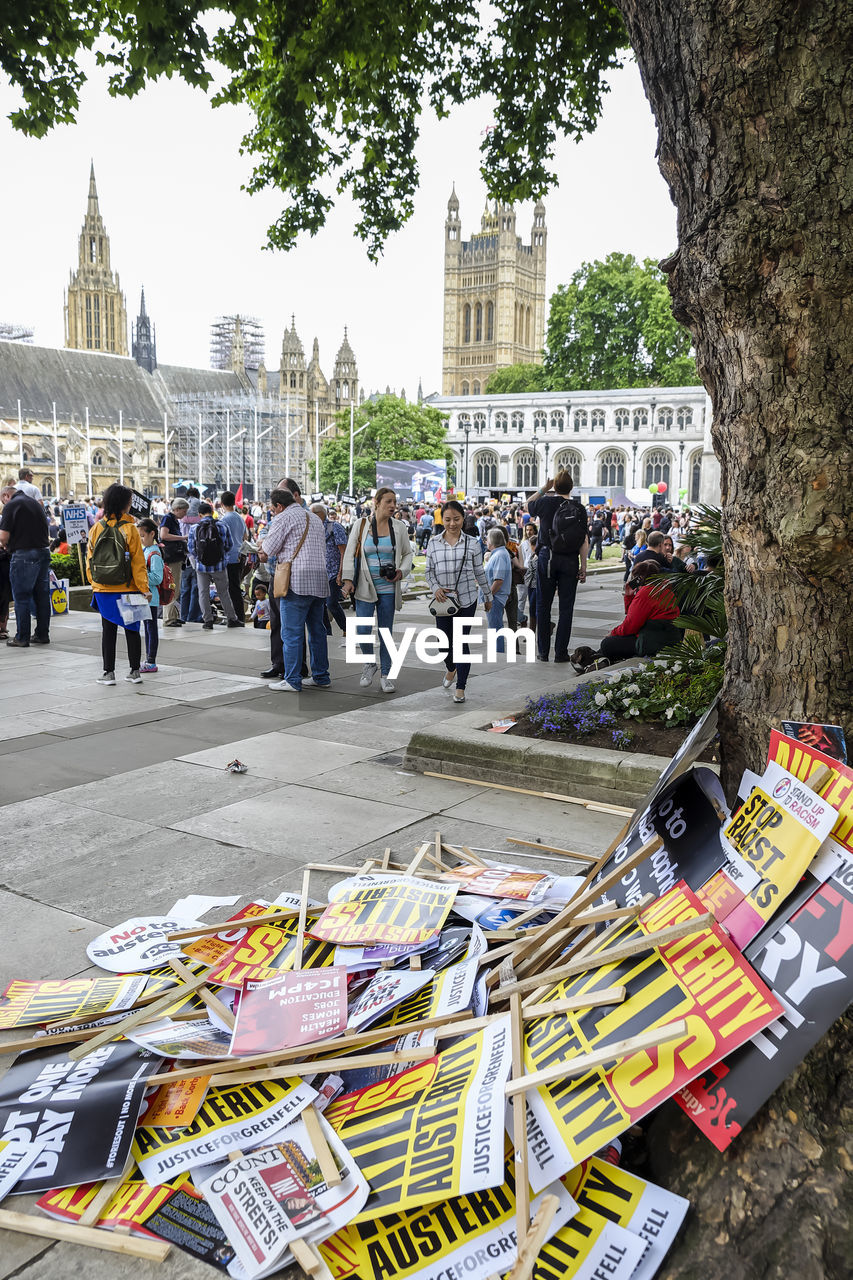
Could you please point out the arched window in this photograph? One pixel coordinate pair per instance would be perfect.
(622, 419)
(466, 324)
(479, 422)
(665, 417)
(478, 323)
(611, 468)
(540, 421)
(695, 476)
(98, 459)
(346, 388)
(501, 423)
(596, 420)
(685, 416)
(161, 462)
(558, 422)
(526, 470)
(293, 381)
(580, 420)
(463, 421)
(475, 389)
(569, 460)
(47, 489)
(25, 456)
(486, 465)
(301, 381)
(527, 328)
(464, 388)
(657, 467)
(490, 322)
(518, 422)
(515, 324)
(641, 419)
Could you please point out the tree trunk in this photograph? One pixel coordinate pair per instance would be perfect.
(753, 100)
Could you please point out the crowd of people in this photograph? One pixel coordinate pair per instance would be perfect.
(292, 568)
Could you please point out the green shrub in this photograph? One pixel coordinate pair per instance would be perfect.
(671, 692)
(67, 567)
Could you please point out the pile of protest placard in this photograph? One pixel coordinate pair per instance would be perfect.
(424, 1071)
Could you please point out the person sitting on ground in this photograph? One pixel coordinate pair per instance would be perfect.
(59, 545)
(261, 612)
(674, 561)
(653, 550)
(650, 612)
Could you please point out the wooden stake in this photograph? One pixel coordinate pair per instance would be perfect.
(422, 852)
(49, 1229)
(303, 912)
(595, 805)
(569, 1004)
(103, 1196)
(602, 915)
(224, 926)
(386, 858)
(611, 955)
(528, 1251)
(307, 1257)
(117, 1029)
(285, 1069)
(212, 1001)
(325, 1156)
(519, 1122)
(608, 1053)
(552, 848)
(464, 854)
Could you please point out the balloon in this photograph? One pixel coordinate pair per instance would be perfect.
(653, 488)
(662, 487)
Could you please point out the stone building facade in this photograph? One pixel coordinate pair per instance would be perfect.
(95, 313)
(494, 297)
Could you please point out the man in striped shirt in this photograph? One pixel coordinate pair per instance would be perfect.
(298, 536)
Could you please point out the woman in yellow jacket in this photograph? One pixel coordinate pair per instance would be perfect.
(108, 595)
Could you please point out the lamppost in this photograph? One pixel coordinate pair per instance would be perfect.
(634, 472)
(535, 476)
(652, 422)
(547, 447)
(466, 427)
(680, 465)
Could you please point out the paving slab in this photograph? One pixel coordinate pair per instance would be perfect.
(63, 1261)
(40, 941)
(279, 756)
(568, 825)
(290, 821)
(374, 779)
(352, 729)
(164, 793)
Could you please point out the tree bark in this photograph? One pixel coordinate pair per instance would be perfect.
(753, 101)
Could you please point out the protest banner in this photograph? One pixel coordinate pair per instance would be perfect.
(613, 1194)
(184, 1218)
(449, 992)
(183, 1040)
(700, 736)
(76, 524)
(828, 738)
(471, 1236)
(372, 909)
(701, 978)
(210, 950)
(589, 1247)
(495, 881)
(138, 944)
(266, 950)
(130, 1204)
(231, 1119)
(269, 1198)
(83, 1113)
(175, 1105)
(140, 506)
(433, 1131)
(803, 760)
(808, 963)
(776, 833)
(15, 1158)
(25, 1004)
(386, 990)
(291, 1010)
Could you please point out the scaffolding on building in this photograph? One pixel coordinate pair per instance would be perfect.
(236, 331)
(223, 441)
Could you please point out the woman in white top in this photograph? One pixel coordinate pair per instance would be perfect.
(377, 558)
(454, 567)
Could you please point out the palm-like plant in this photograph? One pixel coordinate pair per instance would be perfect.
(699, 595)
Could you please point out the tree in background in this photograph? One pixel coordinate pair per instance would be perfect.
(394, 428)
(613, 326)
(517, 378)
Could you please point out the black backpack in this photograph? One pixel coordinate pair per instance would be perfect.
(209, 544)
(568, 529)
(109, 563)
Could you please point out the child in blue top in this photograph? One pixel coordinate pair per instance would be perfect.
(154, 564)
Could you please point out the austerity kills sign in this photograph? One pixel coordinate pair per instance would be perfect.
(402, 910)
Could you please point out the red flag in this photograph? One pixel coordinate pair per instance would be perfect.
(238, 496)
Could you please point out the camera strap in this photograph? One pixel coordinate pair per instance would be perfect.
(375, 535)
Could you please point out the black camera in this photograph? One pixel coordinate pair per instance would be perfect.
(388, 571)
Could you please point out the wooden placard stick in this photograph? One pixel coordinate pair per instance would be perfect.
(606, 915)
(534, 1238)
(386, 858)
(608, 853)
(72, 1037)
(464, 854)
(224, 926)
(422, 852)
(103, 1196)
(90, 1017)
(611, 955)
(559, 948)
(589, 944)
(116, 1029)
(595, 805)
(49, 1229)
(607, 1053)
(285, 1069)
(303, 912)
(307, 1257)
(553, 848)
(204, 993)
(519, 1122)
(570, 1004)
(325, 1157)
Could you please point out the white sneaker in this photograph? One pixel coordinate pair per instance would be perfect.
(449, 680)
(459, 695)
(133, 677)
(388, 686)
(283, 686)
(109, 677)
(368, 671)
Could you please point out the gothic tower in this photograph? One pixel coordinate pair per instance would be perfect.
(95, 315)
(494, 297)
(345, 376)
(143, 339)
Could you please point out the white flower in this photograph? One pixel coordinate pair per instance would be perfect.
(633, 711)
(632, 688)
(676, 666)
(600, 699)
(670, 712)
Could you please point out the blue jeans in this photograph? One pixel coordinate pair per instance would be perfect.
(383, 607)
(445, 626)
(297, 613)
(190, 608)
(496, 617)
(333, 607)
(29, 578)
(560, 578)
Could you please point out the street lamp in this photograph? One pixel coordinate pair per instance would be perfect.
(535, 443)
(466, 427)
(547, 447)
(634, 473)
(680, 464)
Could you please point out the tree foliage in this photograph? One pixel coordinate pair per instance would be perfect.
(393, 429)
(613, 326)
(517, 378)
(337, 90)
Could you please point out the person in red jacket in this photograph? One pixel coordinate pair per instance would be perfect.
(649, 616)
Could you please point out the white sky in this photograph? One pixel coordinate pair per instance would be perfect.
(169, 175)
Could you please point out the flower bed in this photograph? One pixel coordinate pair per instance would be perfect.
(641, 710)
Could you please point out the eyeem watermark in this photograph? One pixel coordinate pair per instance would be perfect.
(472, 641)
